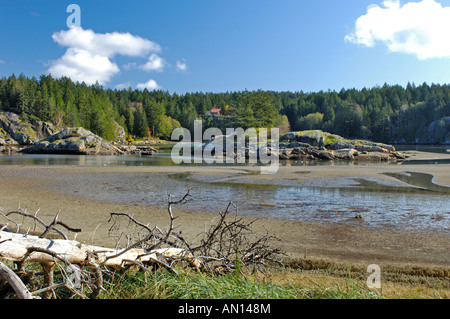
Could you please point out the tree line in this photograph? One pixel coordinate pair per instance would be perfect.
(390, 113)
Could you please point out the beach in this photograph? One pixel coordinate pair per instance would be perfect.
(50, 190)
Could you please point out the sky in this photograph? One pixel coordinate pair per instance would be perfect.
(227, 45)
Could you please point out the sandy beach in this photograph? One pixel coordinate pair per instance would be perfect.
(32, 188)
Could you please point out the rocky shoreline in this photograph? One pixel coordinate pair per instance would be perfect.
(37, 137)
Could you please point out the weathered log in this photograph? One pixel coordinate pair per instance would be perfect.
(17, 247)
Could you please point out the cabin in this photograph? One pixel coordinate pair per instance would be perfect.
(214, 112)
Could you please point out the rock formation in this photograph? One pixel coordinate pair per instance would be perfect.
(19, 135)
(14, 131)
(83, 142)
(319, 145)
(316, 144)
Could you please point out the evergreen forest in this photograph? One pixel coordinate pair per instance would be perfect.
(388, 113)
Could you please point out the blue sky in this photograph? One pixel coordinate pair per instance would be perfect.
(285, 45)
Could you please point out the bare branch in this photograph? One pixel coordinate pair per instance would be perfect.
(19, 212)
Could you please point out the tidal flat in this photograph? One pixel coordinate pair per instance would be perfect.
(403, 209)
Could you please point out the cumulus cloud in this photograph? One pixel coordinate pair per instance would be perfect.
(181, 65)
(89, 54)
(416, 28)
(154, 63)
(107, 44)
(81, 65)
(149, 85)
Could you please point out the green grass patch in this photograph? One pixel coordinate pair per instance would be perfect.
(188, 284)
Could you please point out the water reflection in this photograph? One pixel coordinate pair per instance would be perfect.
(422, 180)
(164, 159)
(381, 205)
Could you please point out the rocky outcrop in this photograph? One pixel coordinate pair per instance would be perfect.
(310, 145)
(83, 142)
(319, 145)
(15, 131)
(136, 150)
(19, 135)
(9, 150)
(332, 141)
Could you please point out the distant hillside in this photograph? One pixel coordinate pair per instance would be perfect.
(388, 114)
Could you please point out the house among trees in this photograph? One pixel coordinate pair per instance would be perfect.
(212, 117)
(214, 112)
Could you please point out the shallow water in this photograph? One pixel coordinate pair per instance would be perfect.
(385, 206)
(422, 206)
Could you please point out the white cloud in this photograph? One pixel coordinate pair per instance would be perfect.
(154, 63)
(89, 54)
(81, 65)
(149, 85)
(107, 44)
(2, 62)
(181, 65)
(416, 28)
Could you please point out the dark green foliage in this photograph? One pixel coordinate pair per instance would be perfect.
(140, 123)
(255, 109)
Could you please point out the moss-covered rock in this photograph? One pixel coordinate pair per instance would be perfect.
(313, 137)
(15, 131)
(334, 142)
(73, 141)
(319, 145)
(323, 145)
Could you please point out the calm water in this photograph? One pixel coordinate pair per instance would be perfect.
(423, 206)
(163, 159)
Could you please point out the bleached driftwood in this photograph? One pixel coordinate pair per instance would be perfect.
(26, 248)
(22, 248)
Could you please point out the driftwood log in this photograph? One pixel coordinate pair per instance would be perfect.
(26, 248)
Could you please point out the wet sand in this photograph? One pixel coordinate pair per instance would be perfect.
(32, 188)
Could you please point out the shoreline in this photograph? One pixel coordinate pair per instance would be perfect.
(31, 188)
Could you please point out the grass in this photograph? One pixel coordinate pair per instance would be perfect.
(284, 283)
(188, 284)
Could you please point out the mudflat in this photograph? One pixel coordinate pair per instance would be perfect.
(32, 188)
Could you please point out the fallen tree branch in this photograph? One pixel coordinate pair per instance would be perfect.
(15, 282)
